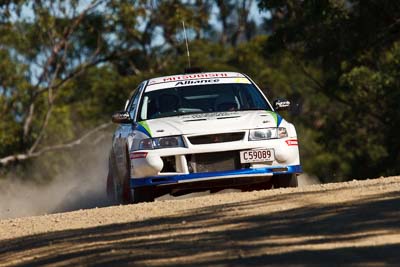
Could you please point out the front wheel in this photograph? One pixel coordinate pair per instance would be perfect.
(143, 194)
(110, 187)
(284, 180)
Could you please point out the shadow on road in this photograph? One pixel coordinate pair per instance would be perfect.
(225, 235)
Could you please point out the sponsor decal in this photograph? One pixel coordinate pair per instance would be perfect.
(292, 142)
(195, 76)
(210, 115)
(235, 77)
(190, 82)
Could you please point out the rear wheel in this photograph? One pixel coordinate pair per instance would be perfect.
(284, 180)
(143, 194)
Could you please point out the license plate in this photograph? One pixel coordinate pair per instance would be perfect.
(259, 155)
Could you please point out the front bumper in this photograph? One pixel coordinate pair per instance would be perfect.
(205, 176)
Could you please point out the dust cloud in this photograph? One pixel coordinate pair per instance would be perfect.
(83, 186)
(306, 179)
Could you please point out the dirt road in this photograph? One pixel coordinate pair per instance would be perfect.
(355, 223)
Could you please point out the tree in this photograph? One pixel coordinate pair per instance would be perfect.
(44, 51)
(67, 65)
(236, 22)
(55, 52)
(355, 44)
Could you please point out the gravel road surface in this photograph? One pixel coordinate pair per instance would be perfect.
(340, 224)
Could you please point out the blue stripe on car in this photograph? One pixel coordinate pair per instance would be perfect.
(279, 118)
(159, 180)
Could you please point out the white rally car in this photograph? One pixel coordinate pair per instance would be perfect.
(200, 131)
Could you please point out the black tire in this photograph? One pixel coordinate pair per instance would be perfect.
(114, 189)
(120, 182)
(126, 192)
(121, 193)
(126, 180)
(110, 187)
(284, 180)
(143, 194)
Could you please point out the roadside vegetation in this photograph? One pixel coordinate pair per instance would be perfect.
(66, 66)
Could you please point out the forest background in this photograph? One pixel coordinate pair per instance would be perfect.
(66, 66)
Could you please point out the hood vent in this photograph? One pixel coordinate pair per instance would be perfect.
(230, 117)
(216, 138)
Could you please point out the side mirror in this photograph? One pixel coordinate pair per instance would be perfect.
(281, 104)
(121, 117)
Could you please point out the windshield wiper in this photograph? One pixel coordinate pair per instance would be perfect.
(246, 109)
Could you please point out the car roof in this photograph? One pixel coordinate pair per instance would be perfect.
(195, 78)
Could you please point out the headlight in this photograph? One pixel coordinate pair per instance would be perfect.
(161, 142)
(267, 133)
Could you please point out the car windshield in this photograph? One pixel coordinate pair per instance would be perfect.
(201, 99)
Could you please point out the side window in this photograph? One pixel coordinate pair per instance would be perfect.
(134, 102)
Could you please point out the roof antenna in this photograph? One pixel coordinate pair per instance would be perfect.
(186, 40)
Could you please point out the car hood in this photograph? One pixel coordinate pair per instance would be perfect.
(209, 123)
